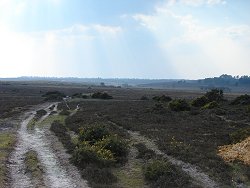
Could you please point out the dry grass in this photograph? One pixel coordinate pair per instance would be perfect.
(239, 151)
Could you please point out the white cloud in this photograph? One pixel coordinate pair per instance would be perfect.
(196, 49)
(53, 52)
(196, 2)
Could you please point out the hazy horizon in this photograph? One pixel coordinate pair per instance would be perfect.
(161, 39)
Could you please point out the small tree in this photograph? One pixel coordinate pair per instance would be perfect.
(214, 95)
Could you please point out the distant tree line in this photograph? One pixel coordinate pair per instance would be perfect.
(228, 80)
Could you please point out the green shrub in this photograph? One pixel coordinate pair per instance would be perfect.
(214, 95)
(200, 101)
(93, 133)
(86, 154)
(211, 105)
(116, 145)
(162, 174)
(162, 98)
(155, 169)
(239, 135)
(243, 100)
(179, 105)
(53, 96)
(100, 95)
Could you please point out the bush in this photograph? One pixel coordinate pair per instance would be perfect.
(99, 95)
(86, 154)
(100, 137)
(179, 105)
(155, 169)
(200, 101)
(211, 105)
(162, 98)
(243, 100)
(116, 145)
(214, 95)
(93, 133)
(162, 174)
(54, 96)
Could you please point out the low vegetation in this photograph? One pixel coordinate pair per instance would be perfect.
(239, 135)
(241, 100)
(7, 141)
(101, 95)
(179, 105)
(34, 168)
(210, 100)
(54, 96)
(211, 105)
(61, 132)
(162, 98)
(162, 174)
(97, 151)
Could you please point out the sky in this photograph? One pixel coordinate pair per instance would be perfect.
(172, 39)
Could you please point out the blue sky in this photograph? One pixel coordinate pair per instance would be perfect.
(124, 38)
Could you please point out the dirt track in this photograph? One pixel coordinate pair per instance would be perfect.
(58, 172)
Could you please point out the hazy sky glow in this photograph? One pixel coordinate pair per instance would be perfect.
(124, 38)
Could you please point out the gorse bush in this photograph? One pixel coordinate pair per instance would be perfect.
(211, 105)
(97, 145)
(86, 154)
(179, 105)
(116, 145)
(209, 100)
(93, 133)
(199, 102)
(243, 100)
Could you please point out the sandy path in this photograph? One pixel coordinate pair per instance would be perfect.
(58, 172)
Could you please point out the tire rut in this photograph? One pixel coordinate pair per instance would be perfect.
(193, 171)
(58, 172)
